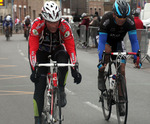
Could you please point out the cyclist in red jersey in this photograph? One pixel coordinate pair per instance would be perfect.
(50, 35)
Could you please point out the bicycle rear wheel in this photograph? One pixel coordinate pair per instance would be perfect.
(27, 34)
(122, 103)
(7, 34)
(106, 100)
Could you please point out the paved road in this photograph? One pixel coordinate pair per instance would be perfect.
(16, 90)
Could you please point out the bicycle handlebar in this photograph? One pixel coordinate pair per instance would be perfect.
(55, 65)
(126, 53)
(123, 53)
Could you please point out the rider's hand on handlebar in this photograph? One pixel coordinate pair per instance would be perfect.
(75, 74)
(101, 65)
(137, 65)
(34, 75)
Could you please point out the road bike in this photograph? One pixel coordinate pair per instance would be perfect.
(27, 28)
(52, 108)
(7, 33)
(116, 87)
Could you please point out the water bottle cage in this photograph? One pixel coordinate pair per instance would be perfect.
(112, 79)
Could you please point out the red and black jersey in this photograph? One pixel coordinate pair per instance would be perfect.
(42, 39)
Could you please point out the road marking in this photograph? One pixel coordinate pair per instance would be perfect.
(4, 66)
(5, 92)
(22, 54)
(69, 91)
(2, 77)
(99, 109)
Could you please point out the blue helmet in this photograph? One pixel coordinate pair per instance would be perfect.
(121, 8)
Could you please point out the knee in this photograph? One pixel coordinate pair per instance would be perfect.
(62, 57)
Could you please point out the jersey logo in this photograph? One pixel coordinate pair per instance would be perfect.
(106, 22)
(131, 22)
(67, 34)
(39, 26)
(62, 28)
(35, 32)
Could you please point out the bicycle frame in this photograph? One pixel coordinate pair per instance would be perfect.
(53, 90)
(112, 96)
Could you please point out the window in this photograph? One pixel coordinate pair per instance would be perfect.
(34, 14)
(30, 10)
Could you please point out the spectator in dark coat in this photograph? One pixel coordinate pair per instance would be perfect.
(96, 13)
(85, 21)
(95, 24)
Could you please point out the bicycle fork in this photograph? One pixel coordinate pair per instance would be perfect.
(52, 78)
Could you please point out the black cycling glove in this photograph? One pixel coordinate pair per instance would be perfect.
(34, 76)
(76, 75)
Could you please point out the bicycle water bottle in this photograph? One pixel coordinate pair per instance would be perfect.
(112, 79)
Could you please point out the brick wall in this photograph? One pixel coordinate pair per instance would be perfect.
(34, 8)
(96, 6)
(19, 8)
(28, 7)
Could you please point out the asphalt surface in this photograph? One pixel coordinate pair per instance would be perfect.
(16, 89)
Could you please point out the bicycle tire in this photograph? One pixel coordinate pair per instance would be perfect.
(59, 106)
(27, 34)
(56, 107)
(46, 108)
(106, 100)
(122, 119)
(7, 34)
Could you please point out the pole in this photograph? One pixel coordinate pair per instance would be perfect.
(61, 5)
(12, 10)
(70, 7)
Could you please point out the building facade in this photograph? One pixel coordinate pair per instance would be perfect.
(96, 5)
(71, 7)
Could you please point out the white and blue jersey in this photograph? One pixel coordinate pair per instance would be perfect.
(7, 23)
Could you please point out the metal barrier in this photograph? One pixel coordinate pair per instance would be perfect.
(1, 29)
(74, 28)
(91, 37)
(88, 37)
(83, 34)
(142, 36)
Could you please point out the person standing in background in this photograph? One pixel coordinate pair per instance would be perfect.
(85, 21)
(138, 24)
(137, 20)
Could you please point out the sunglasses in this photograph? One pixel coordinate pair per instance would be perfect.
(120, 18)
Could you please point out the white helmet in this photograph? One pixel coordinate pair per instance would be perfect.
(83, 15)
(28, 16)
(8, 18)
(51, 11)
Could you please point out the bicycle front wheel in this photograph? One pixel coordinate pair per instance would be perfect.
(122, 101)
(57, 107)
(106, 100)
